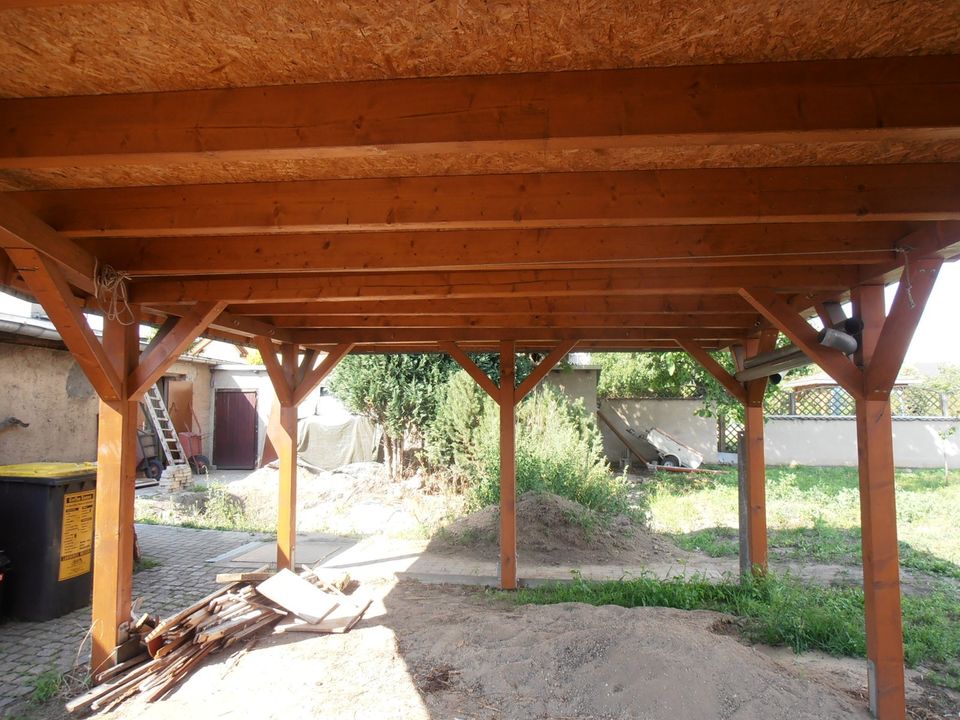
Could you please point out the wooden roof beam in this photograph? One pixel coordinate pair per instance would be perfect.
(711, 320)
(491, 284)
(618, 247)
(662, 304)
(460, 335)
(896, 99)
(725, 196)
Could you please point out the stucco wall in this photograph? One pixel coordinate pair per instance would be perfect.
(578, 384)
(675, 417)
(47, 389)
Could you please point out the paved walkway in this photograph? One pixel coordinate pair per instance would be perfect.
(29, 649)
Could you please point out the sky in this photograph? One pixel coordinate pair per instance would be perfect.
(936, 341)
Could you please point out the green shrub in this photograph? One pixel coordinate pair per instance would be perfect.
(559, 447)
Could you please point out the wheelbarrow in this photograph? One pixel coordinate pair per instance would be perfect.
(148, 461)
(192, 443)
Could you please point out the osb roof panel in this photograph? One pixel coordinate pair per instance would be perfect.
(149, 45)
(212, 170)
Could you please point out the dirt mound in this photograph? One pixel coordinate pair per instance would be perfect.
(554, 530)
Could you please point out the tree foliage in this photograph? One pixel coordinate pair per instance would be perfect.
(666, 375)
(400, 392)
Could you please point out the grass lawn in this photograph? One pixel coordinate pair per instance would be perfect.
(812, 514)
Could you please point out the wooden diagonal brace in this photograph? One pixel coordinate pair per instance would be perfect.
(316, 376)
(729, 382)
(834, 363)
(50, 288)
(176, 340)
(481, 378)
(278, 377)
(544, 367)
(911, 298)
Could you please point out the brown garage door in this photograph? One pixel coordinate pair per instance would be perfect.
(235, 429)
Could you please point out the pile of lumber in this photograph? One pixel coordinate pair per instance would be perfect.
(311, 601)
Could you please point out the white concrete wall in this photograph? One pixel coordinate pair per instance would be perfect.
(675, 417)
(816, 441)
(917, 442)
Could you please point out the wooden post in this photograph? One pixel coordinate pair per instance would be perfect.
(286, 446)
(285, 443)
(508, 467)
(756, 487)
(116, 473)
(878, 522)
(743, 506)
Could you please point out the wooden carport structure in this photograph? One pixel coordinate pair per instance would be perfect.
(455, 177)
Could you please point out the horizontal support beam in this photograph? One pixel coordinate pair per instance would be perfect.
(618, 247)
(894, 99)
(408, 335)
(896, 192)
(492, 284)
(662, 304)
(705, 320)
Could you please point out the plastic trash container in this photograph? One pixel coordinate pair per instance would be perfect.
(46, 529)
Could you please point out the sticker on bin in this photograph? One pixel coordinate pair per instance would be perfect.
(76, 540)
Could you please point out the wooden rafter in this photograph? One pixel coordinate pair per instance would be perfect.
(632, 198)
(316, 376)
(612, 247)
(399, 335)
(479, 376)
(155, 362)
(568, 320)
(833, 362)
(542, 368)
(491, 284)
(823, 101)
(50, 288)
(730, 384)
(274, 370)
(911, 298)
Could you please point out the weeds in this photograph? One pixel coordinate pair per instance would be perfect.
(45, 686)
(782, 611)
(145, 563)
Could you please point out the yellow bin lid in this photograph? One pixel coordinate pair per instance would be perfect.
(48, 469)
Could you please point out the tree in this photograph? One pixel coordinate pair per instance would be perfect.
(398, 392)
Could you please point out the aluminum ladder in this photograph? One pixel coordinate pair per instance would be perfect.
(169, 440)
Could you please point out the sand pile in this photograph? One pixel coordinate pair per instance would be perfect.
(554, 530)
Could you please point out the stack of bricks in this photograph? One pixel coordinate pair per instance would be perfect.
(175, 478)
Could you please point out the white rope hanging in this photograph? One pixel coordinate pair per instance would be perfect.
(905, 251)
(110, 287)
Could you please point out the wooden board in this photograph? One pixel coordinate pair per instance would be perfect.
(295, 594)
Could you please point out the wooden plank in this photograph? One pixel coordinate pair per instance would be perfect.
(51, 290)
(508, 467)
(316, 376)
(634, 320)
(634, 198)
(613, 247)
(833, 362)
(244, 577)
(730, 384)
(113, 519)
(154, 363)
(478, 375)
(664, 305)
(825, 101)
(341, 620)
(542, 368)
(327, 336)
(908, 304)
(303, 599)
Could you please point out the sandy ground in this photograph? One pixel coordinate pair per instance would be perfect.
(448, 652)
